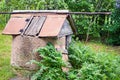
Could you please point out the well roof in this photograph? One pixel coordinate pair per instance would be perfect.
(47, 24)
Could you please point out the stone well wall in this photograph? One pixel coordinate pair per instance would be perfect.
(23, 49)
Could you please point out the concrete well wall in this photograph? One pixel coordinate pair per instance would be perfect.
(23, 49)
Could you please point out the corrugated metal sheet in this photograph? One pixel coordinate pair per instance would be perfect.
(52, 25)
(14, 26)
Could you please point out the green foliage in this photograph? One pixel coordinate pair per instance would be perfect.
(93, 66)
(114, 29)
(3, 18)
(83, 55)
(91, 27)
(86, 65)
(90, 5)
(50, 66)
(32, 4)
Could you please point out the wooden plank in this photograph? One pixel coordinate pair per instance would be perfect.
(40, 23)
(31, 29)
(35, 26)
(75, 13)
(66, 29)
(27, 25)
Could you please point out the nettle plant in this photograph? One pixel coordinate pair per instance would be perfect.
(51, 64)
(86, 65)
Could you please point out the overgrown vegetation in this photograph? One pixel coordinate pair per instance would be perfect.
(94, 27)
(50, 65)
(98, 47)
(114, 29)
(86, 65)
(5, 50)
(93, 66)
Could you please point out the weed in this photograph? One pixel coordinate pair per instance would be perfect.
(93, 66)
(86, 65)
(50, 65)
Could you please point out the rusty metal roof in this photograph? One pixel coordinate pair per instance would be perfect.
(51, 27)
(15, 24)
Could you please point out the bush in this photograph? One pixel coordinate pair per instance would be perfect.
(114, 29)
(93, 66)
(86, 65)
(50, 66)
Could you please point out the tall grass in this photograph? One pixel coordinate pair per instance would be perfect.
(100, 47)
(5, 50)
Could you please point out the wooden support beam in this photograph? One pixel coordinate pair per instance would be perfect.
(74, 13)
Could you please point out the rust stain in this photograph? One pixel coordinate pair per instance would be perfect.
(52, 25)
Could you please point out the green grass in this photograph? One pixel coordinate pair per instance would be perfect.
(5, 52)
(99, 47)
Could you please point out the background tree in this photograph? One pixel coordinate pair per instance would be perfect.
(91, 26)
(114, 29)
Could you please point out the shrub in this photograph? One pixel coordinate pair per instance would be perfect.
(86, 65)
(114, 29)
(50, 66)
(93, 66)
